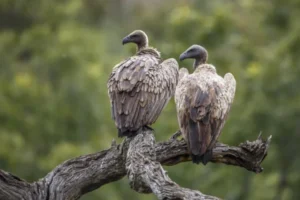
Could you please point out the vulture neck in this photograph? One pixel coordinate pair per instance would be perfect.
(205, 67)
(142, 45)
(198, 62)
(148, 50)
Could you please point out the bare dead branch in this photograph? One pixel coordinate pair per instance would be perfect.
(75, 177)
(248, 155)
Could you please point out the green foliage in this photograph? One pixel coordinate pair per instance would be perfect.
(56, 56)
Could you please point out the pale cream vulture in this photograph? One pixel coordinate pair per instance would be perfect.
(203, 100)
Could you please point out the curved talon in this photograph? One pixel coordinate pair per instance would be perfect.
(113, 143)
(149, 128)
(175, 135)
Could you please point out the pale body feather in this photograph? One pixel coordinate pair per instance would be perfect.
(203, 98)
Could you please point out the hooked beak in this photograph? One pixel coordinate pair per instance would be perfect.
(126, 40)
(183, 56)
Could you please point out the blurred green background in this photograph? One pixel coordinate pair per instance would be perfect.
(56, 56)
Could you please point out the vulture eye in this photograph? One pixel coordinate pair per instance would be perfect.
(133, 36)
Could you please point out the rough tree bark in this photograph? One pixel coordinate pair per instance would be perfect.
(138, 157)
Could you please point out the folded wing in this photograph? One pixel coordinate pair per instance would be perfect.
(139, 88)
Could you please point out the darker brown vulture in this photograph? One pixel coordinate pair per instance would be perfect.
(140, 86)
(203, 100)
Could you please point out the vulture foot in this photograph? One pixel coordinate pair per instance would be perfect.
(149, 128)
(175, 135)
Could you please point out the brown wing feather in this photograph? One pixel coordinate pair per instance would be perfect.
(200, 127)
(139, 88)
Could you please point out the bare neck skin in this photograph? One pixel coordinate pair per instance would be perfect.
(143, 43)
(198, 61)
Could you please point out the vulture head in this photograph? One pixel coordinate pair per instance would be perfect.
(138, 37)
(196, 52)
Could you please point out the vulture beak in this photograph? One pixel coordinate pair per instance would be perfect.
(183, 56)
(126, 40)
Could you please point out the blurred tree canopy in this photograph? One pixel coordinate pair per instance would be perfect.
(56, 56)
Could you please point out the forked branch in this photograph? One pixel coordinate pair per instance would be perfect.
(140, 159)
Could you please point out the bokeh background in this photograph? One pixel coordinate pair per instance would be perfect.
(56, 56)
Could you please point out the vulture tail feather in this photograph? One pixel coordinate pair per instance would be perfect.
(194, 141)
(197, 147)
(207, 157)
(196, 158)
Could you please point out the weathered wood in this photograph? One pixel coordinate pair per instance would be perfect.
(248, 155)
(139, 158)
(147, 175)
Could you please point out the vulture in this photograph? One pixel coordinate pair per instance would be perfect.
(140, 86)
(203, 100)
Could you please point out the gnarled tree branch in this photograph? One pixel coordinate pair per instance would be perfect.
(140, 159)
